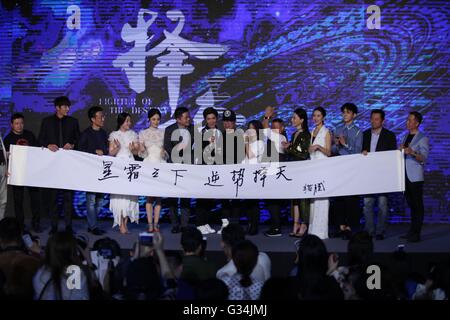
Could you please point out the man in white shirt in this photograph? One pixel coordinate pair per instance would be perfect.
(232, 235)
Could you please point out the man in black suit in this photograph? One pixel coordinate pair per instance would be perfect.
(178, 143)
(377, 139)
(59, 131)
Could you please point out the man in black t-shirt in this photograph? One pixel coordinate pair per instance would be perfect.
(19, 136)
(94, 140)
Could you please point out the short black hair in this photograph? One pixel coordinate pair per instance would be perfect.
(350, 107)
(321, 110)
(93, 110)
(232, 234)
(61, 101)
(417, 115)
(191, 239)
(279, 120)
(152, 112)
(379, 111)
(10, 230)
(179, 112)
(17, 116)
(208, 111)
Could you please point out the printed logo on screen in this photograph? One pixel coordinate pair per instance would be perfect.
(171, 53)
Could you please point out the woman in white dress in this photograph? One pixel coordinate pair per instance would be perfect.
(254, 146)
(151, 148)
(123, 143)
(320, 148)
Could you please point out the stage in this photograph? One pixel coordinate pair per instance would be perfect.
(435, 244)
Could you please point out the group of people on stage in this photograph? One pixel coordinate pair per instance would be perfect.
(262, 141)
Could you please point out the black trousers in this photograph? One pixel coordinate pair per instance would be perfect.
(274, 206)
(252, 208)
(347, 211)
(231, 209)
(185, 204)
(414, 198)
(203, 210)
(35, 204)
(50, 205)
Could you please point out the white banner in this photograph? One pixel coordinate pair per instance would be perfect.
(378, 172)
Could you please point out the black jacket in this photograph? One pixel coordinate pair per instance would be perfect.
(387, 140)
(49, 133)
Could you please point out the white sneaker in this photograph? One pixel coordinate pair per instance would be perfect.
(203, 229)
(225, 223)
(210, 230)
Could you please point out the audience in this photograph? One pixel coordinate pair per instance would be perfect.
(241, 285)
(313, 264)
(360, 255)
(151, 273)
(232, 235)
(195, 267)
(51, 280)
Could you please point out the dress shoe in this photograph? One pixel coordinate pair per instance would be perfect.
(379, 236)
(96, 231)
(346, 235)
(414, 238)
(273, 233)
(252, 230)
(175, 229)
(407, 235)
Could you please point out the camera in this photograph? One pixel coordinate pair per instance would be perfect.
(146, 239)
(106, 253)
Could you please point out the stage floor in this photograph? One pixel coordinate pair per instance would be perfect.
(435, 238)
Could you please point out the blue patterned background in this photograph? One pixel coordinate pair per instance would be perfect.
(279, 53)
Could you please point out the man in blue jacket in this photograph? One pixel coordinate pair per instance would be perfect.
(416, 147)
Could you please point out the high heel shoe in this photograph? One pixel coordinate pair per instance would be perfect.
(296, 229)
(150, 228)
(303, 230)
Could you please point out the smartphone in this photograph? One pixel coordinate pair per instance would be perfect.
(146, 238)
(27, 240)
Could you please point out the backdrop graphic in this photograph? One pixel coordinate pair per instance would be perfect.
(132, 55)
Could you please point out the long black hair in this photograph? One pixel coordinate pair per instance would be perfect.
(257, 125)
(301, 113)
(121, 118)
(60, 252)
(245, 257)
(312, 264)
(322, 111)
